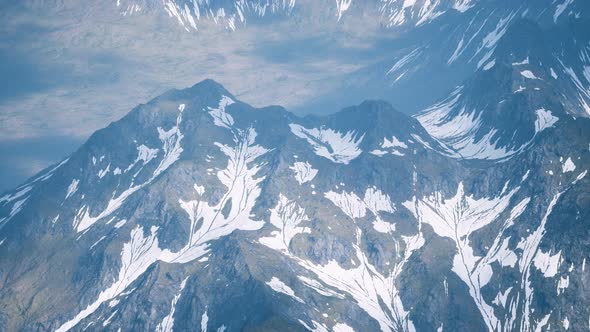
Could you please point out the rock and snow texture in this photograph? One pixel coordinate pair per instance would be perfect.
(333, 145)
(484, 122)
(232, 14)
(373, 291)
(14, 202)
(392, 13)
(248, 215)
(461, 216)
(419, 12)
(167, 324)
(560, 9)
(286, 217)
(171, 140)
(376, 293)
(243, 189)
(355, 207)
(457, 218)
(205, 221)
(461, 131)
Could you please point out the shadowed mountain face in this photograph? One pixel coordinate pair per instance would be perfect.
(526, 85)
(198, 211)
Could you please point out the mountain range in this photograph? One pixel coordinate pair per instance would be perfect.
(197, 211)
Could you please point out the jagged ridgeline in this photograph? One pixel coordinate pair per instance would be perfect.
(199, 212)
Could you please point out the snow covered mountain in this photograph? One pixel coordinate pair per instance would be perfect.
(197, 211)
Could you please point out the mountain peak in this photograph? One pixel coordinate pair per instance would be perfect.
(371, 109)
(208, 84)
(207, 89)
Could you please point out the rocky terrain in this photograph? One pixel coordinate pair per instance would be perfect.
(198, 211)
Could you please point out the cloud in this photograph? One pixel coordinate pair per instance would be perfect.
(79, 75)
(65, 77)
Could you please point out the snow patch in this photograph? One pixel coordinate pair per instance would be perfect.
(355, 207)
(220, 117)
(544, 120)
(568, 166)
(521, 63)
(529, 74)
(286, 217)
(144, 154)
(548, 264)
(489, 65)
(72, 188)
(390, 146)
(337, 147)
(204, 321)
(341, 327)
(280, 287)
(342, 6)
(103, 172)
(563, 284)
(304, 172)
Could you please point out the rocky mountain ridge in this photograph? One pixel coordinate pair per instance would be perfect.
(197, 210)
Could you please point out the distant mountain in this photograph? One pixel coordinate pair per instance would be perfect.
(414, 54)
(393, 13)
(449, 49)
(533, 78)
(434, 43)
(197, 211)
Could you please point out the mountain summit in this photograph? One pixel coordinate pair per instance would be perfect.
(198, 211)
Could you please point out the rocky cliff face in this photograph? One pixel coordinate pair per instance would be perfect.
(197, 211)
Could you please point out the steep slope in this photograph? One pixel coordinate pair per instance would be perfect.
(448, 49)
(199, 210)
(523, 88)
